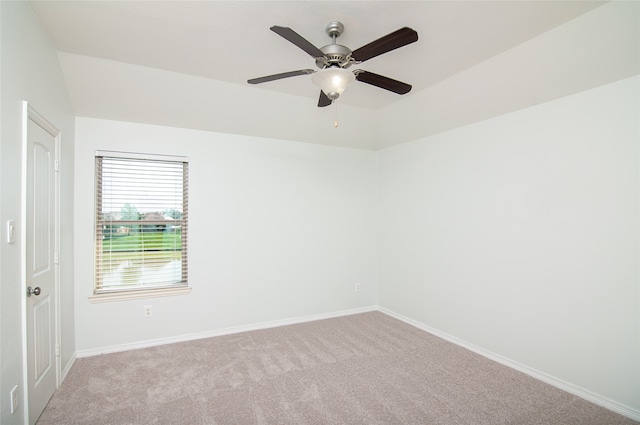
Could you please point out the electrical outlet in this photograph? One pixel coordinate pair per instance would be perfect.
(147, 311)
(14, 399)
(357, 287)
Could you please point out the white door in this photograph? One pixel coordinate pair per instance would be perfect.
(40, 246)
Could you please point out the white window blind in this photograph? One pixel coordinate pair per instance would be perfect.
(141, 222)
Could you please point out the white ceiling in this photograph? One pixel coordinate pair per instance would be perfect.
(230, 41)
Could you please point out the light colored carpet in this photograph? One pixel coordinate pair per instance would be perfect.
(362, 369)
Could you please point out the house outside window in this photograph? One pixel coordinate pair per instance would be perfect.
(141, 225)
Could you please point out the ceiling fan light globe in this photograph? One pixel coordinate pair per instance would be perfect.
(333, 81)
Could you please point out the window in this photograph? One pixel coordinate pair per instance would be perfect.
(141, 224)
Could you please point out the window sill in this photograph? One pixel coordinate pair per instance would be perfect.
(134, 295)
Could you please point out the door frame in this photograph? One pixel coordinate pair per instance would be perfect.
(29, 113)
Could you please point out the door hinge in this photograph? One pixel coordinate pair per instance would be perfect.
(56, 165)
(56, 258)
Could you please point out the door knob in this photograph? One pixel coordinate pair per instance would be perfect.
(33, 291)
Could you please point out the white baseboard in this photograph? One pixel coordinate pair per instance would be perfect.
(558, 383)
(219, 332)
(67, 368)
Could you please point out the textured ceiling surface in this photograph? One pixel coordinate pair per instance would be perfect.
(230, 41)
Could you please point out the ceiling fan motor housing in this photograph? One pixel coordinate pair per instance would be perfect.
(334, 55)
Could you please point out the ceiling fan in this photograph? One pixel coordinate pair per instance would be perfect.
(334, 59)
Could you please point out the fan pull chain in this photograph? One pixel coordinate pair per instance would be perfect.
(335, 123)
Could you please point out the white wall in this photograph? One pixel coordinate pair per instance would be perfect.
(277, 230)
(520, 235)
(30, 71)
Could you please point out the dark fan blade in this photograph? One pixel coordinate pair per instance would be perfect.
(297, 39)
(280, 76)
(385, 44)
(324, 100)
(383, 82)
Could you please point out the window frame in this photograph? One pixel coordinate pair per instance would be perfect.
(138, 291)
